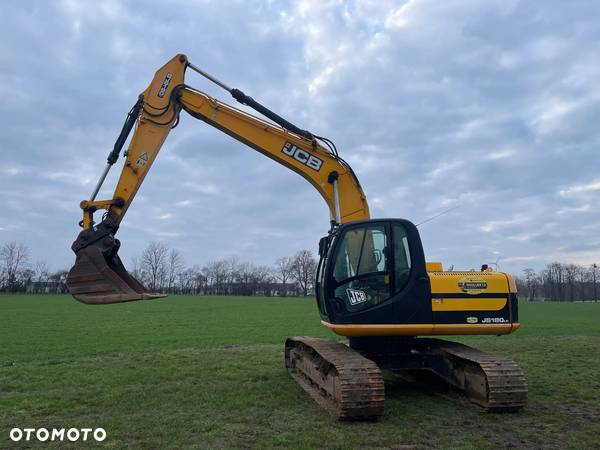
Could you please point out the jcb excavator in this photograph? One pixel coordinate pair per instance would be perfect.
(372, 284)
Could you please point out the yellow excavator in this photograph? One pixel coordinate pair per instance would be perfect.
(373, 284)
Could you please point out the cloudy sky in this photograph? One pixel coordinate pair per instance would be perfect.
(487, 107)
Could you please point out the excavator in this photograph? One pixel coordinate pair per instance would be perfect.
(373, 284)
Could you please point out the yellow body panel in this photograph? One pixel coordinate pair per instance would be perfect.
(450, 291)
(468, 304)
(469, 283)
(434, 266)
(426, 329)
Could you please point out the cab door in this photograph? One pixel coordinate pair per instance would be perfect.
(412, 288)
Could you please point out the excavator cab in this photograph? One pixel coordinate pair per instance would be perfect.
(367, 268)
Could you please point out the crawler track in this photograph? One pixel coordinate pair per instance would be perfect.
(348, 385)
(494, 383)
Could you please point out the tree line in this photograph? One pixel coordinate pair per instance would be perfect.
(162, 269)
(19, 274)
(560, 282)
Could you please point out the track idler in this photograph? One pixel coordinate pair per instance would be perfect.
(99, 277)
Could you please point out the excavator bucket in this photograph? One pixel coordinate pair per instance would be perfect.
(99, 277)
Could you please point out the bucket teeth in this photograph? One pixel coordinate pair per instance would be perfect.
(99, 279)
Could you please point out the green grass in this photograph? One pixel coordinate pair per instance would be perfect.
(207, 372)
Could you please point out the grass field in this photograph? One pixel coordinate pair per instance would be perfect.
(207, 372)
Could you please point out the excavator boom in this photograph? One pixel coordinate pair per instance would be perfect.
(98, 275)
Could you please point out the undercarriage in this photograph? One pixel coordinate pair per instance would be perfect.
(346, 379)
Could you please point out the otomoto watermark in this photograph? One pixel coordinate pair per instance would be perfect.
(57, 434)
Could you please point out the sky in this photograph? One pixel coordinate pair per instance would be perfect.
(488, 110)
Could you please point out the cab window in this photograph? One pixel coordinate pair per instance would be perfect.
(402, 262)
(361, 269)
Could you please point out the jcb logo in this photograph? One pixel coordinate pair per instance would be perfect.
(356, 296)
(302, 156)
(165, 85)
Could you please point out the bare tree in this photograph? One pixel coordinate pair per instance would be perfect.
(174, 267)
(532, 282)
(199, 282)
(217, 275)
(60, 279)
(41, 272)
(191, 281)
(261, 279)
(209, 275)
(303, 270)
(242, 283)
(14, 259)
(136, 270)
(594, 276)
(555, 280)
(571, 271)
(154, 264)
(233, 272)
(283, 272)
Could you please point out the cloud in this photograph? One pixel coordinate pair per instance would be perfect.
(491, 106)
(580, 188)
(12, 171)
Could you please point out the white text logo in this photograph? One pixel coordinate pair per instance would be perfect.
(356, 296)
(302, 156)
(57, 434)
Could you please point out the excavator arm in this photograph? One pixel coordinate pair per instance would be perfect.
(98, 275)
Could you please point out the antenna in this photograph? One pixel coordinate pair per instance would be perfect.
(495, 264)
(438, 215)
